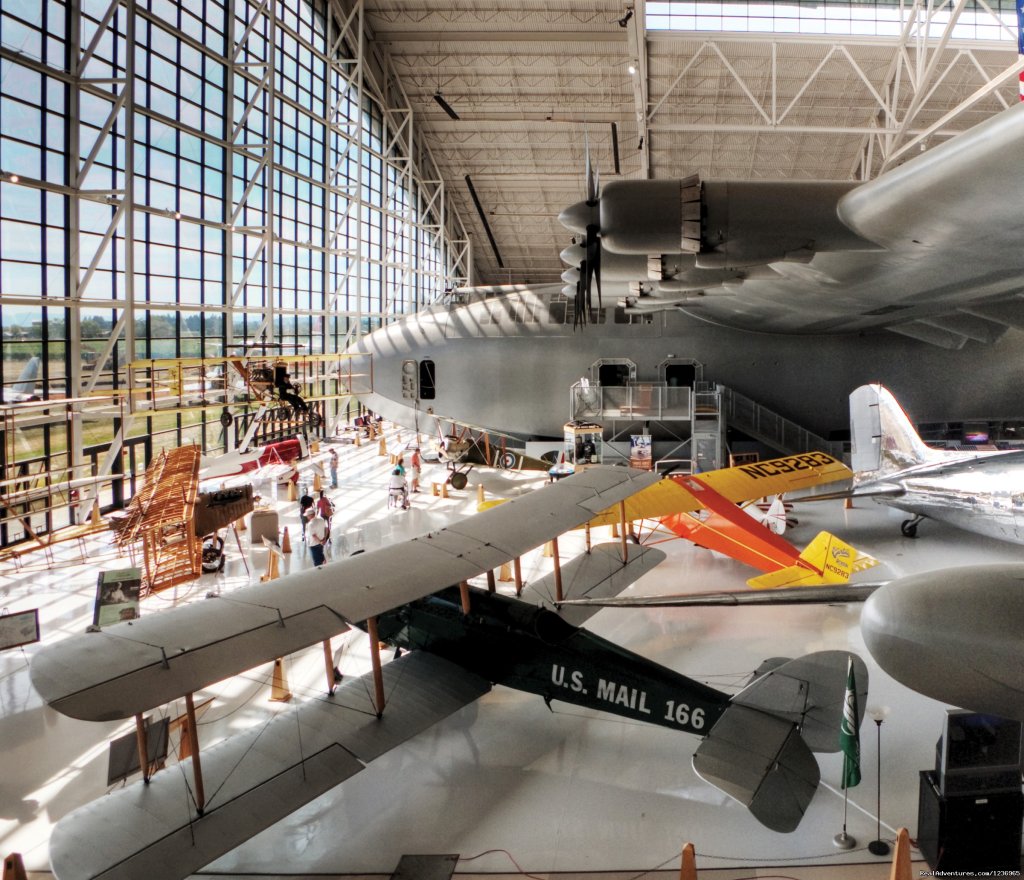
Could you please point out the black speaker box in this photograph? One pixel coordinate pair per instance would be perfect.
(979, 832)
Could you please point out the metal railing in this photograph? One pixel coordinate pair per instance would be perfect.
(769, 427)
(641, 400)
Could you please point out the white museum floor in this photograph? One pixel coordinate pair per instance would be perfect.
(506, 783)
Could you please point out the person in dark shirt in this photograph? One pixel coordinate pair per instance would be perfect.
(306, 501)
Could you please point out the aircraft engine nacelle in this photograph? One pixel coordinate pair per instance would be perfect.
(651, 216)
(953, 635)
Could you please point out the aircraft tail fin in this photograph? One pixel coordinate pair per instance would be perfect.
(26, 384)
(760, 750)
(883, 438)
(826, 560)
(775, 516)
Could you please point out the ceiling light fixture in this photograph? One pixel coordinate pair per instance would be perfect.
(632, 68)
(444, 105)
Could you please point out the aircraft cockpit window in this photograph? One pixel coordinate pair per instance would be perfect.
(427, 380)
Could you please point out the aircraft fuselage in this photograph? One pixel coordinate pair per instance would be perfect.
(507, 363)
(532, 649)
(984, 495)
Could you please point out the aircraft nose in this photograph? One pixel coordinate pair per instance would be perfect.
(953, 635)
(577, 217)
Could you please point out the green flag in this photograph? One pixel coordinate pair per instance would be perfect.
(849, 732)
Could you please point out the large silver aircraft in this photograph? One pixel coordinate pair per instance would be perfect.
(789, 292)
(978, 491)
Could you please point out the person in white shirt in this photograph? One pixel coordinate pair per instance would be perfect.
(397, 487)
(317, 537)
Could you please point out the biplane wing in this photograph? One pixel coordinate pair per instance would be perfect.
(132, 667)
(257, 777)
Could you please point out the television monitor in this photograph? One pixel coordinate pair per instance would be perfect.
(979, 753)
(976, 432)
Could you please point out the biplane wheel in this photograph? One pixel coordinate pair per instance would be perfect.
(459, 481)
(226, 419)
(315, 419)
(909, 528)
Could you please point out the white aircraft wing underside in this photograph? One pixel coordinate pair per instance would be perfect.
(256, 777)
(131, 667)
(596, 575)
(949, 226)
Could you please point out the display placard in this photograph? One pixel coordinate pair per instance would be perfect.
(20, 628)
(117, 596)
(640, 451)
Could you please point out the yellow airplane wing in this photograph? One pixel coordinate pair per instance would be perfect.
(740, 483)
(747, 481)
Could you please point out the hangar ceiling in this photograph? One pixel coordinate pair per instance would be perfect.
(532, 85)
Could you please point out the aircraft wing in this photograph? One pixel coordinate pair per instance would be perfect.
(816, 595)
(256, 777)
(890, 253)
(682, 494)
(132, 667)
(880, 489)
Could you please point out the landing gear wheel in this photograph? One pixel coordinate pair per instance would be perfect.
(909, 528)
(315, 419)
(459, 481)
(226, 419)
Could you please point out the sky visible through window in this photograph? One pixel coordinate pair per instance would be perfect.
(995, 21)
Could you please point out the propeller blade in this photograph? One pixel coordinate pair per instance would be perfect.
(593, 263)
(592, 184)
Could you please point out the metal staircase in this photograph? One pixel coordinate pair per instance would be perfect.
(769, 427)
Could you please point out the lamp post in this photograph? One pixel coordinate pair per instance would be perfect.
(878, 847)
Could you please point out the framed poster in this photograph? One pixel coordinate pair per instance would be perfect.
(117, 596)
(640, 451)
(20, 628)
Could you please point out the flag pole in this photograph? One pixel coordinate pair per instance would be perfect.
(843, 840)
(849, 744)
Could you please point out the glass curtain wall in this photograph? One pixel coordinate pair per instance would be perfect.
(179, 178)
